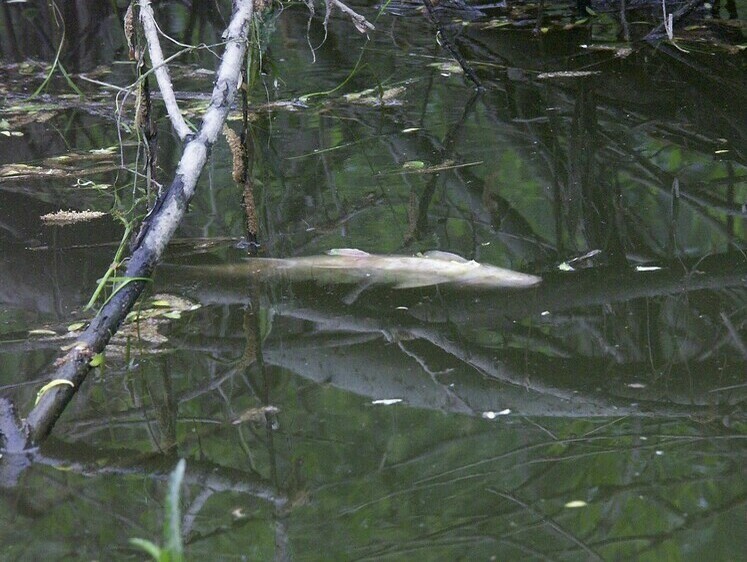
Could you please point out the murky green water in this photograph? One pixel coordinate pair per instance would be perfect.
(598, 416)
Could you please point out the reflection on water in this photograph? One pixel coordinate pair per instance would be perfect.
(599, 415)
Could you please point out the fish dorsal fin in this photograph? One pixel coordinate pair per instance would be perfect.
(444, 256)
(348, 252)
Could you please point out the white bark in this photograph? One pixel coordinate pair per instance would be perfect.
(160, 227)
(161, 70)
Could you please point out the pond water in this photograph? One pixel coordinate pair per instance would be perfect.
(599, 416)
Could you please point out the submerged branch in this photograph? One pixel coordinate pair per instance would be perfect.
(161, 225)
(447, 43)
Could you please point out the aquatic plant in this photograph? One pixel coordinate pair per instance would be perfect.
(172, 549)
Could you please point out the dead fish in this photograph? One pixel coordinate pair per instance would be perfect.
(356, 266)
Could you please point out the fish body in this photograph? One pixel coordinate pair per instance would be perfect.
(356, 266)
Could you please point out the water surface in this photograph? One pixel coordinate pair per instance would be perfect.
(598, 416)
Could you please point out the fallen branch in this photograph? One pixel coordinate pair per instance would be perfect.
(161, 70)
(162, 224)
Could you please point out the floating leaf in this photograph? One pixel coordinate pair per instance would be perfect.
(42, 332)
(490, 415)
(647, 268)
(386, 401)
(107, 150)
(575, 504)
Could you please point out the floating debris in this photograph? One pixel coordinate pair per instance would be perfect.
(447, 67)
(620, 52)
(419, 167)
(576, 504)
(386, 401)
(63, 218)
(567, 74)
(255, 414)
(643, 268)
(377, 97)
(42, 332)
(490, 415)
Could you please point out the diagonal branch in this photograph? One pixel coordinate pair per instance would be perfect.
(162, 224)
(161, 70)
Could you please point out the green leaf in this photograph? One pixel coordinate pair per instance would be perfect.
(97, 360)
(173, 314)
(49, 385)
(42, 332)
(172, 533)
(152, 549)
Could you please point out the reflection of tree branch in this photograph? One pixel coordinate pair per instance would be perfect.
(194, 509)
(693, 521)
(81, 459)
(444, 151)
(12, 437)
(561, 291)
(447, 42)
(549, 521)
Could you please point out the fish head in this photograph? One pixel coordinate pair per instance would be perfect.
(490, 277)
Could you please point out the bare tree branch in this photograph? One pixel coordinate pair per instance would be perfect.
(162, 224)
(161, 70)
